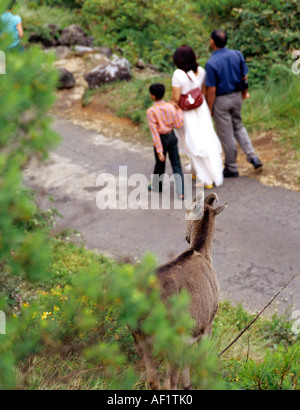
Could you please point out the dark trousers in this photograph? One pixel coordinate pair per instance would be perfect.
(169, 143)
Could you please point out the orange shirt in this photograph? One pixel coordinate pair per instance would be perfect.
(162, 118)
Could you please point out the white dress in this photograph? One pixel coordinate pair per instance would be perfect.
(197, 138)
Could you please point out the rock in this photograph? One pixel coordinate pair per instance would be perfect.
(152, 67)
(81, 50)
(140, 64)
(86, 41)
(74, 35)
(62, 51)
(48, 37)
(107, 51)
(66, 79)
(117, 69)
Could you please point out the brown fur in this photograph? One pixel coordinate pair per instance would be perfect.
(192, 270)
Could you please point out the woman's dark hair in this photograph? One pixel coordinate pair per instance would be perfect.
(219, 37)
(158, 90)
(185, 59)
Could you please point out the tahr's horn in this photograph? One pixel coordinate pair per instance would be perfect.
(211, 198)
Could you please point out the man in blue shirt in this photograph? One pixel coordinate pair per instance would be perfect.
(12, 24)
(227, 86)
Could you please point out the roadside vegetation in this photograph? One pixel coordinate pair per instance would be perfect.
(67, 309)
(266, 33)
(70, 331)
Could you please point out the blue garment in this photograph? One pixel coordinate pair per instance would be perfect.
(225, 69)
(10, 22)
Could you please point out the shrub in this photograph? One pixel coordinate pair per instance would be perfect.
(61, 3)
(26, 96)
(143, 29)
(279, 370)
(265, 32)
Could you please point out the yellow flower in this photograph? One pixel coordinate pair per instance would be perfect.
(56, 308)
(25, 305)
(45, 315)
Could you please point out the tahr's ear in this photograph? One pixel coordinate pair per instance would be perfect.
(195, 212)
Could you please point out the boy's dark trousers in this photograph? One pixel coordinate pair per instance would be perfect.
(169, 143)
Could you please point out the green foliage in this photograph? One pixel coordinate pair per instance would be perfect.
(25, 131)
(87, 319)
(54, 3)
(72, 333)
(27, 94)
(278, 371)
(143, 29)
(69, 310)
(36, 18)
(275, 106)
(265, 32)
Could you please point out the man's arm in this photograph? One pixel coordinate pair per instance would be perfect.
(245, 93)
(210, 98)
(211, 86)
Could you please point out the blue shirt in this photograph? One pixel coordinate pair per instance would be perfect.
(225, 69)
(10, 22)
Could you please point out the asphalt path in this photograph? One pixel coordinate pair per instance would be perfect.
(256, 243)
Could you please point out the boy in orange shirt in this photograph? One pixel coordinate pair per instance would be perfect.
(163, 117)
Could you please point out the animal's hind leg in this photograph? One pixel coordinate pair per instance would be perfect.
(186, 380)
(171, 378)
(152, 375)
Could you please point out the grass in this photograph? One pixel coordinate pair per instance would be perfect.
(276, 107)
(36, 17)
(129, 99)
(257, 352)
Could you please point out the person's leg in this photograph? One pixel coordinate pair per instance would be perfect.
(172, 149)
(240, 132)
(225, 131)
(159, 170)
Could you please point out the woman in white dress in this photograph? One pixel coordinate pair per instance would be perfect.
(197, 138)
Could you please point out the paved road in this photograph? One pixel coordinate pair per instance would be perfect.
(256, 244)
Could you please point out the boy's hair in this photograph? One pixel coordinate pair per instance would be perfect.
(158, 90)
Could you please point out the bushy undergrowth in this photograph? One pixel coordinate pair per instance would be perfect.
(71, 332)
(67, 309)
(275, 107)
(266, 32)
